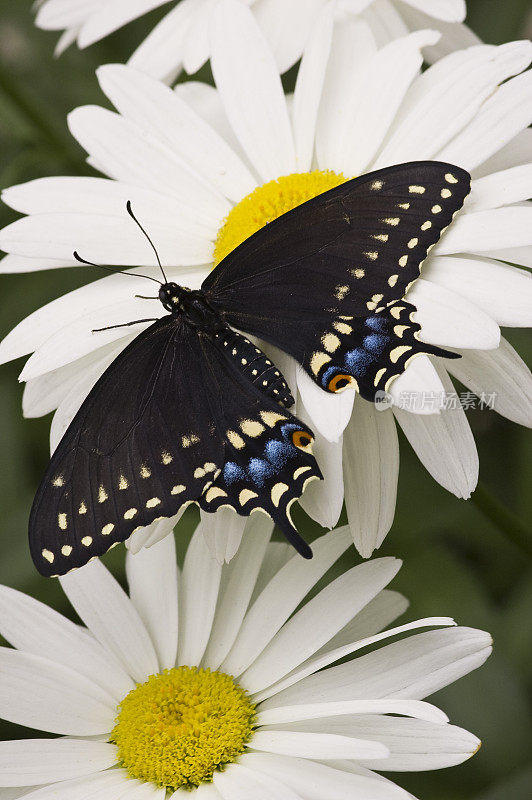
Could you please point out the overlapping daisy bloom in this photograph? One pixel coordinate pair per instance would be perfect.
(181, 39)
(205, 167)
(223, 680)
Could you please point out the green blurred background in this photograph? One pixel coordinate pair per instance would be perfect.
(457, 562)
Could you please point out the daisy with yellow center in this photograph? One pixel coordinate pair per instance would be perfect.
(220, 680)
(205, 167)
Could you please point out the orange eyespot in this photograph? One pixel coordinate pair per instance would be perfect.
(340, 382)
(303, 440)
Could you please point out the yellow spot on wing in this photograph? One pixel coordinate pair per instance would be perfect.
(412, 243)
(449, 177)
(123, 482)
(166, 458)
(82, 508)
(379, 375)
(396, 311)
(392, 280)
(380, 237)
(392, 221)
(426, 225)
(342, 327)
(399, 330)
(62, 521)
(372, 255)
(403, 261)
(236, 440)
(277, 492)
(199, 472)
(445, 193)
(154, 501)
(376, 185)
(341, 292)
(102, 495)
(406, 206)
(66, 550)
(417, 189)
(246, 495)
(300, 471)
(130, 513)
(436, 209)
(58, 481)
(318, 360)
(251, 427)
(107, 529)
(358, 273)
(86, 541)
(48, 555)
(397, 352)
(214, 492)
(178, 489)
(145, 472)
(330, 342)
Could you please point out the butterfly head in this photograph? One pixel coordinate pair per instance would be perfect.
(172, 295)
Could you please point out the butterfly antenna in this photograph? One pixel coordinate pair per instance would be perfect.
(133, 217)
(110, 269)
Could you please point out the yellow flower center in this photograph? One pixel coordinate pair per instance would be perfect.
(268, 202)
(179, 727)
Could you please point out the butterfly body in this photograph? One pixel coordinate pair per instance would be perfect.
(194, 411)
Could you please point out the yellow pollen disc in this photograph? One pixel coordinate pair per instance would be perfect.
(179, 727)
(268, 202)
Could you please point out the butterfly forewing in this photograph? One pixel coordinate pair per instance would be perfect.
(326, 281)
(154, 434)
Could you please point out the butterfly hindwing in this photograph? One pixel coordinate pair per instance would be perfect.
(154, 434)
(324, 281)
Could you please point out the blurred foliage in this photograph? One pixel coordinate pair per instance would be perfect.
(456, 561)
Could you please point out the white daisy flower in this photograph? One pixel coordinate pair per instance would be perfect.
(181, 39)
(204, 167)
(222, 680)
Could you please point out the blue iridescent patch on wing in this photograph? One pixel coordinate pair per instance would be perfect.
(358, 360)
(278, 453)
(376, 322)
(233, 472)
(376, 343)
(259, 469)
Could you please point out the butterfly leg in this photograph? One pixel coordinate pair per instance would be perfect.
(124, 324)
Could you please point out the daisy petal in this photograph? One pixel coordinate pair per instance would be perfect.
(449, 320)
(410, 708)
(503, 116)
(108, 785)
(329, 412)
(281, 597)
(411, 668)
(153, 533)
(444, 444)
(12, 263)
(316, 745)
(446, 10)
(371, 469)
(152, 578)
(28, 762)
(155, 106)
(515, 255)
(413, 744)
(59, 14)
(487, 230)
(161, 53)
(419, 388)
(309, 86)
(316, 781)
(205, 791)
(41, 694)
(110, 615)
(515, 153)
(504, 293)
(253, 96)
(32, 627)
(502, 375)
(501, 188)
(237, 782)
(111, 16)
(318, 621)
(375, 617)
(223, 533)
(127, 151)
(198, 594)
(287, 27)
(239, 580)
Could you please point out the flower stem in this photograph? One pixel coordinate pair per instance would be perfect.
(504, 520)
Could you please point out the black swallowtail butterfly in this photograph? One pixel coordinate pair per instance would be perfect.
(192, 411)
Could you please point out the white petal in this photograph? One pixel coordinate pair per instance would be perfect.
(240, 783)
(410, 708)
(239, 580)
(353, 45)
(160, 54)
(129, 152)
(278, 554)
(287, 27)
(516, 152)
(205, 791)
(318, 781)
(414, 744)
(223, 532)
(375, 617)
(111, 16)
(446, 10)
(104, 239)
(309, 86)
(329, 412)
(108, 612)
(371, 469)
(157, 108)
(57, 14)
(152, 578)
(253, 97)
(153, 533)
(412, 668)
(41, 694)
(503, 116)
(487, 230)
(500, 377)
(515, 255)
(29, 762)
(34, 628)
(198, 594)
(443, 100)
(501, 188)
(418, 388)
(444, 444)
(10, 264)
(318, 621)
(504, 293)
(275, 695)
(378, 91)
(280, 598)
(449, 320)
(316, 745)
(323, 500)
(108, 785)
